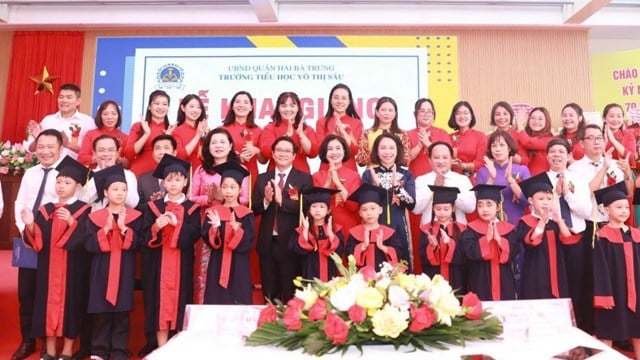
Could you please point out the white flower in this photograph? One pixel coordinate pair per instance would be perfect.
(390, 321)
(398, 297)
(443, 301)
(423, 281)
(5, 153)
(343, 297)
(308, 294)
(383, 284)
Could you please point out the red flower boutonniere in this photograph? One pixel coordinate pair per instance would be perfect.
(75, 130)
(517, 178)
(247, 135)
(572, 187)
(611, 178)
(455, 138)
(293, 192)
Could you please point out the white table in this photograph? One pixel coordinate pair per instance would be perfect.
(218, 331)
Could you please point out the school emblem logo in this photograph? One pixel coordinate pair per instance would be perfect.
(170, 76)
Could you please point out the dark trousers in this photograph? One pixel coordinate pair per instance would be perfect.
(26, 298)
(277, 277)
(150, 336)
(110, 335)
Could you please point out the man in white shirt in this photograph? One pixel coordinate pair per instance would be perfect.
(34, 187)
(600, 171)
(106, 150)
(573, 188)
(441, 155)
(598, 168)
(71, 123)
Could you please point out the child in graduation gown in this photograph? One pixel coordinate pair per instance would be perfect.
(54, 233)
(490, 246)
(171, 226)
(112, 235)
(616, 269)
(371, 243)
(228, 229)
(544, 235)
(318, 237)
(440, 250)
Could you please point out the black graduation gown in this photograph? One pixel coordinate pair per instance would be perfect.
(229, 273)
(62, 280)
(315, 253)
(116, 253)
(489, 266)
(447, 260)
(168, 279)
(544, 274)
(372, 255)
(616, 269)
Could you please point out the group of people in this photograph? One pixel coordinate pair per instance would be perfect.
(519, 213)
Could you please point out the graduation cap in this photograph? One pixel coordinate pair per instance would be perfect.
(368, 193)
(318, 194)
(233, 170)
(105, 177)
(606, 196)
(490, 192)
(444, 194)
(536, 184)
(170, 164)
(70, 167)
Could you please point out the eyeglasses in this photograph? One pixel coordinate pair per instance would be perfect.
(463, 113)
(424, 112)
(284, 151)
(594, 138)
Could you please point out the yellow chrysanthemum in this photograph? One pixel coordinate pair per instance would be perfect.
(390, 321)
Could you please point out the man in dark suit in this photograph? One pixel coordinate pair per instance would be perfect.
(149, 189)
(276, 196)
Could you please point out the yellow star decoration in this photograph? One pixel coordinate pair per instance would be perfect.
(45, 82)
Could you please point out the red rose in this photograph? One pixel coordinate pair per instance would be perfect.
(421, 318)
(472, 305)
(318, 310)
(296, 302)
(268, 314)
(368, 272)
(291, 318)
(357, 314)
(336, 329)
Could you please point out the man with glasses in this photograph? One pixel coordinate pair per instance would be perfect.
(106, 150)
(599, 170)
(276, 196)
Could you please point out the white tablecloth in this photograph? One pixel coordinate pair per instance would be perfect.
(200, 345)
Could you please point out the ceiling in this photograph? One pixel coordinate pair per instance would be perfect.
(618, 18)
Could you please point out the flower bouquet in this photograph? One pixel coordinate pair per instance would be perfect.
(367, 307)
(15, 158)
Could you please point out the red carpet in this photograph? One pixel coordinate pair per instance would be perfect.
(9, 312)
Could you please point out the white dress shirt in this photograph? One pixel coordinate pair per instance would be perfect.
(585, 169)
(276, 179)
(465, 203)
(28, 191)
(579, 200)
(56, 121)
(89, 192)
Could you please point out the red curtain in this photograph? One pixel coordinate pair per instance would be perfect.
(61, 52)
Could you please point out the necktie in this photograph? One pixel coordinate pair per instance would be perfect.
(281, 181)
(43, 184)
(281, 186)
(565, 211)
